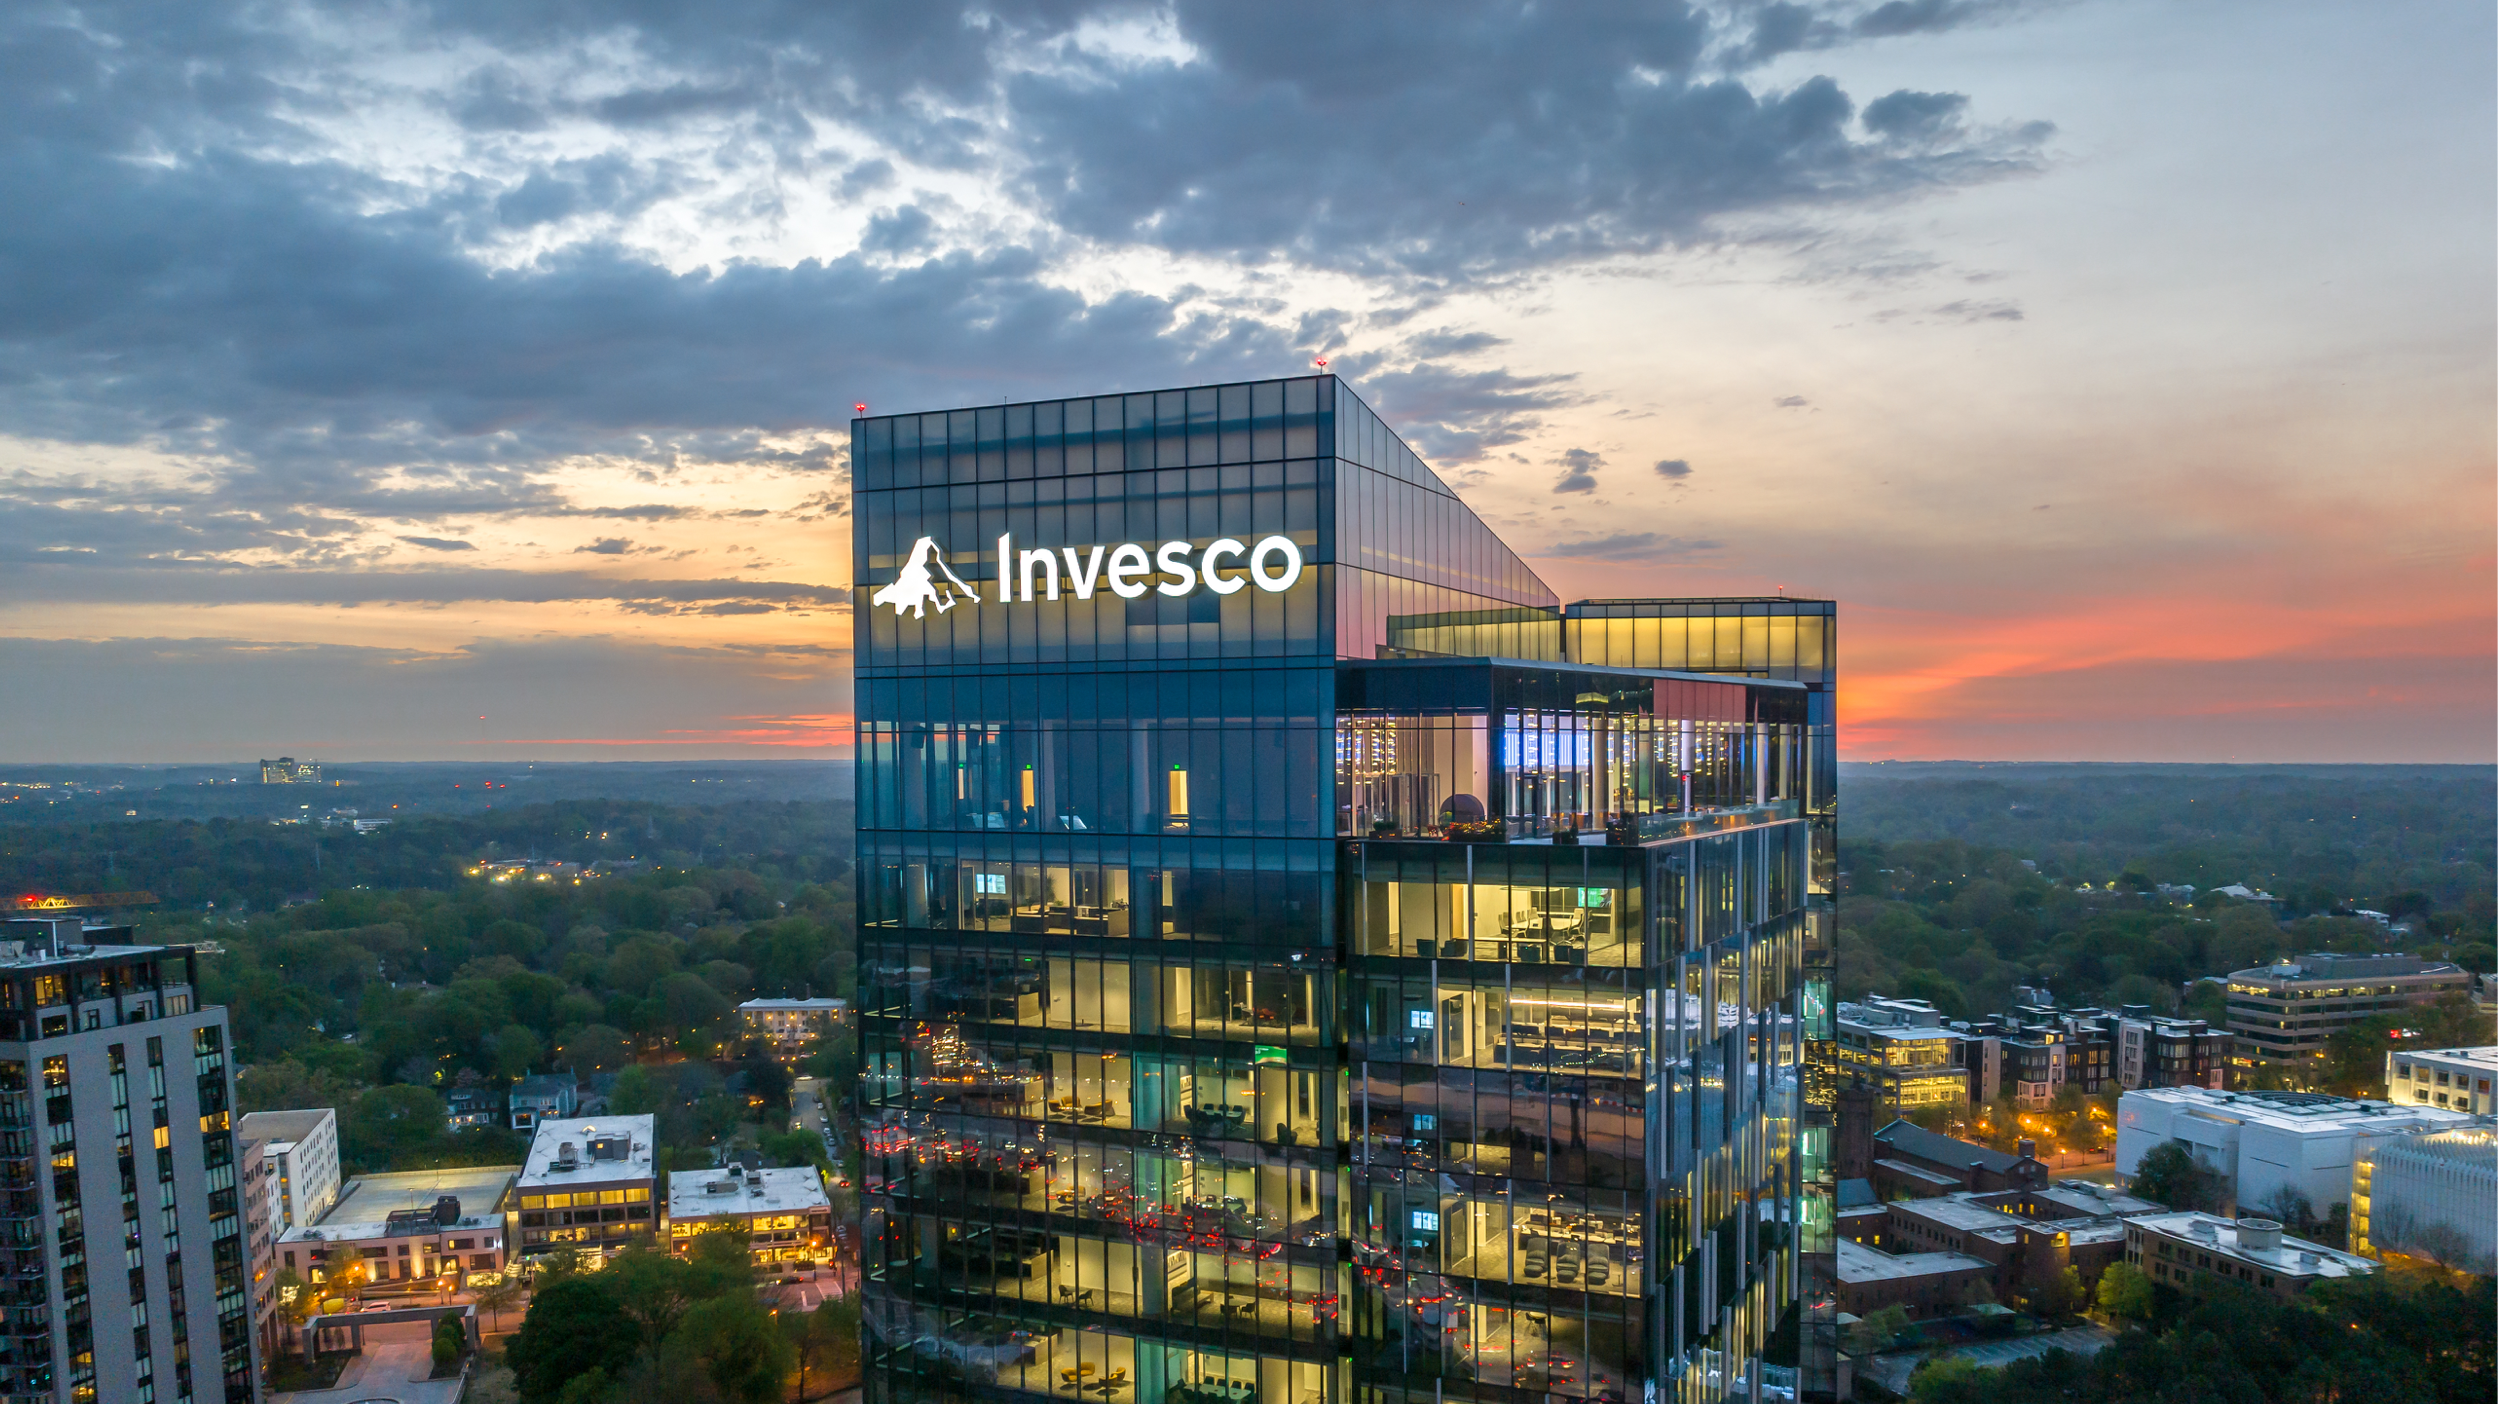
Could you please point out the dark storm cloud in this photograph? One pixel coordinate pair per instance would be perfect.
(1428, 141)
(1910, 116)
(209, 278)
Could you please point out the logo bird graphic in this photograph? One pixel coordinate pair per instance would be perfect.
(916, 588)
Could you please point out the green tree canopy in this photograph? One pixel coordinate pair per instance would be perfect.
(575, 1325)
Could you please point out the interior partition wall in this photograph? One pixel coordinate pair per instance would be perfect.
(1110, 999)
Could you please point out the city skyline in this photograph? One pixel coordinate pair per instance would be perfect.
(476, 385)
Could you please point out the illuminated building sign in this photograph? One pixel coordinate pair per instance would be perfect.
(1126, 570)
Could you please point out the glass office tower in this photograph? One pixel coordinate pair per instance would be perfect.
(1262, 1002)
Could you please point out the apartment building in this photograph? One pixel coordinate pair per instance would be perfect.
(115, 1102)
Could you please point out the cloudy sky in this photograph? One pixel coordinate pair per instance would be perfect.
(470, 379)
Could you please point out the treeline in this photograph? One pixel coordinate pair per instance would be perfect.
(1963, 924)
(380, 998)
(249, 866)
(2319, 837)
(2424, 1338)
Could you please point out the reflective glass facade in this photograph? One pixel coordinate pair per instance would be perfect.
(1258, 1007)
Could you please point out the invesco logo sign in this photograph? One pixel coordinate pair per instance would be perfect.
(1225, 566)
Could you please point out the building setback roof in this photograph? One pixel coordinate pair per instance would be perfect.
(1936, 1148)
(281, 1126)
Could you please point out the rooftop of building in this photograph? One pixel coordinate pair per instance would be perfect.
(2474, 1057)
(696, 1194)
(543, 1085)
(1858, 1263)
(2473, 1147)
(2328, 965)
(364, 1209)
(1960, 1211)
(562, 1154)
(2295, 1257)
(282, 1128)
(1936, 1148)
(1940, 1182)
(2309, 1112)
(39, 943)
(793, 1006)
(2087, 1197)
(1858, 1194)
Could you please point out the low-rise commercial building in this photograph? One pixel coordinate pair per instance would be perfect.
(785, 1214)
(588, 1185)
(411, 1231)
(1921, 1284)
(2194, 1252)
(2268, 1146)
(302, 1147)
(2432, 1195)
(2027, 1253)
(2281, 1014)
(2456, 1078)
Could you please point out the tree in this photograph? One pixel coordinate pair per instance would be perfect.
(450, 1342)
(391, 1126)
(2172, 1174)
(2125, 1293)
(499, 1296)
(825, 1342)
(343, 1272)
(1947, 1380)
(2059, 1295)
(287, 1085)
(722, 1262)
(574, 1326)
(517, 1049)
(590, 1387)
(733, 1339)
(636, 1093)
(1876, 1330)
(596, 1048)
(795, 1148)
(654, 1286)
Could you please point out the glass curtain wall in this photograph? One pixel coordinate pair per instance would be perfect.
(1570, 1178)
(1101, 998)
(1179, 1084)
